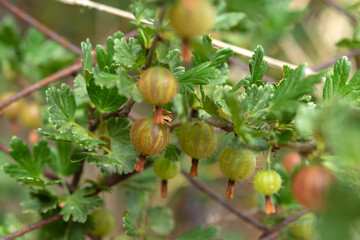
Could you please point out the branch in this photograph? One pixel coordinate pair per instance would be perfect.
(303, 148)
(335, 6)
(252, 221)
(287, 221)
(332, 61)
(32, 227)
(75, 67)
(122, 112)
(48, 32)
(128, 15)
(4, 149)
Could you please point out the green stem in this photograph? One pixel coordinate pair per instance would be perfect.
(268, 158)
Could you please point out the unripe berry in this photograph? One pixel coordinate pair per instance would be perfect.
(158, 86)
(198, 140)
(311, 185)
(103, 222)
(191, 18)
(13, 110)
(148, 138)
(165, 170)
(303, 227)
(31, 115)
(267, 182)
(236, 166)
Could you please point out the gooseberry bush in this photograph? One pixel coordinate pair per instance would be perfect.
(197, 120)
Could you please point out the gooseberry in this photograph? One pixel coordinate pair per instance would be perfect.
(290, 161)
(198, 140)
(303, 227)
(236, 166)
(148, 138)
(158, 86)
(267, 182)
(31, 115)
(103, 222)
(191, 18)
(13, 110)
(311, 185)
(165, 169)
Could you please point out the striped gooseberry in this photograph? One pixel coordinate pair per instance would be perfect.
(158, 86)
(236, 166)
(148, 138)
(103, 222)
(303, 227)
(165, 169)
(267, 182)
(191, 18)
(198, 140)
(290, 161)
(311, 186)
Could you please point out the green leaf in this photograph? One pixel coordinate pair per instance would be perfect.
(105, 57)
(172, 59)
(80, 93)
(128, 55)
(201, 233)
(90, 144)
(62, 113)
(172, 152)
(40, 200)
(106, 99)
(205, 52)
(211, 108)
(130, 224)
(122, 81)
(122, 156)
(256, 100)
(79, 204)
(161, 220)
(257, 66)
(227, 20)
(201, 75)
(236, 109)
(29, 169)
(61, 164)
(294, 86)
(87, 56)
(337, 84)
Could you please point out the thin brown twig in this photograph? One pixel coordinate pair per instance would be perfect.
(47, 31)
(331, 62)
(4, 149)
(282, 224)
(250, 220)
(75, 67)
(338, 8)
(32, 227)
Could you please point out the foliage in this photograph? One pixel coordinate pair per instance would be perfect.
(89, 122)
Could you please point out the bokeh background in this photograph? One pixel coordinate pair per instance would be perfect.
(294, 31)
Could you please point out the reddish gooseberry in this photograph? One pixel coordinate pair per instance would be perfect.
(311, 185)
(290, 161)
(148, 138)
(158, 86)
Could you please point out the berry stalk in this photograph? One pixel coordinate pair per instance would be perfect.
(164, 188)
(269, 206)
(230, 189)
(194, 167)
(139, 166)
